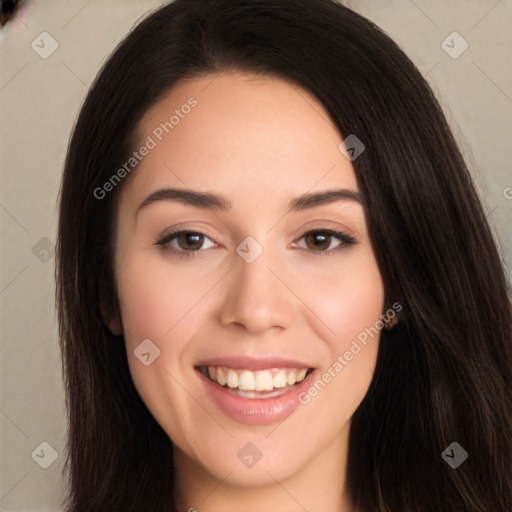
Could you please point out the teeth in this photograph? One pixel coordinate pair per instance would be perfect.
(263, 381)
(301, 375)
(220, 377)
(292, 377)
(280, 379)
(260, 380)
(246, 381)
(232, 379)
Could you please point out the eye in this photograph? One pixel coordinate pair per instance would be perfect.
(187, 243)
(321, 240)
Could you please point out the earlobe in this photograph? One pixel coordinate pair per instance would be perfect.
(112, 321)
(109, 310)
(391, 322)
(392, 316)
(114, 326)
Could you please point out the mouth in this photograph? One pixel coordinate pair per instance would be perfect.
(251, 393)
(259, 384)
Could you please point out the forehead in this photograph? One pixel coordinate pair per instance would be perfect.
(244, 134)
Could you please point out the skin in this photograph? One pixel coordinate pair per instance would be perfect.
(260, 142)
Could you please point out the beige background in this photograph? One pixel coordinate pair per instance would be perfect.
(39, 101)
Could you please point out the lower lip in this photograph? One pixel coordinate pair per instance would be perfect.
(255, 411)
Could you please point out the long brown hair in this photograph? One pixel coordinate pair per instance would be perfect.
(443, 375)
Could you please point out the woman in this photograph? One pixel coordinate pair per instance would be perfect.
(214, 359)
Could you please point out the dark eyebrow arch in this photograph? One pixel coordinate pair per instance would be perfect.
(206, 200)
(310, 200)
(209, 200)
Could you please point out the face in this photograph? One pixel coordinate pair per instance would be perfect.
(243, 314)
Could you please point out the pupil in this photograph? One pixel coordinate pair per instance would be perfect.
(320, 236)
(191, 238)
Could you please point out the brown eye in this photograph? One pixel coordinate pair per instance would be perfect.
(190, 241)
(318, 241)
(185, 243)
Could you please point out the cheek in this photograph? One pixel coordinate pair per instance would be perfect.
(349, 299)
(153, 299)
(350, 304)
(156, 305)
(159, 303)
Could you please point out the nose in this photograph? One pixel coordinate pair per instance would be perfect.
(257, 296)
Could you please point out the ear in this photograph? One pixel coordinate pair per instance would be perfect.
(110, 310)
(393, 315)
(114, 325)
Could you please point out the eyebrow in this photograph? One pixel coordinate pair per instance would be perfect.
(210, 200)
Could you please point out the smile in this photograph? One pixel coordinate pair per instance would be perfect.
(256, 384)
(257, 396)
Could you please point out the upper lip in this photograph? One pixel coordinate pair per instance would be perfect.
(253, 363)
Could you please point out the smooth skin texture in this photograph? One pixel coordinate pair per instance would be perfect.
(259, 142)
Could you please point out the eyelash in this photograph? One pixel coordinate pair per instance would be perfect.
(345, 238)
